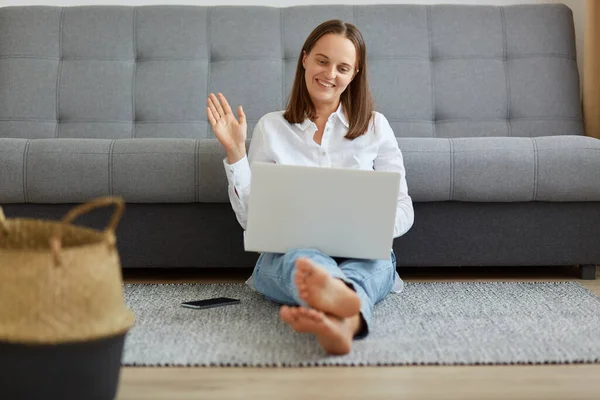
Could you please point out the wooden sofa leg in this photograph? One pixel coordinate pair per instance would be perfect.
(587, 271)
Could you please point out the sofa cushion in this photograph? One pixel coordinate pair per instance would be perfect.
(141, 170)
(553, 168)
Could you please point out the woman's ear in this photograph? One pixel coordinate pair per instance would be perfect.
(304, 56)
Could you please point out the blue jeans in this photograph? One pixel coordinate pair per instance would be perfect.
(372, 280)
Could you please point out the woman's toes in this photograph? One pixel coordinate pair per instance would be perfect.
(303, 268)
(285, 313)
(303, 312)
(289, 314)
(312, 314)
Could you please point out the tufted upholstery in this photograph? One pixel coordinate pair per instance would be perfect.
(484, 100)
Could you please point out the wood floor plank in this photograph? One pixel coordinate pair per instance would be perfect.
(425, 382)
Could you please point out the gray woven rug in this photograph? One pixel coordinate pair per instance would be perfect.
(429, 323)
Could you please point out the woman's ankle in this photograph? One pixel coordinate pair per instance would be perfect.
(356, 324)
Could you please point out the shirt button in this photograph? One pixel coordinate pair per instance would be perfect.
(324, 153)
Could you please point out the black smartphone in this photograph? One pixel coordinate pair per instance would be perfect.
(208, 303)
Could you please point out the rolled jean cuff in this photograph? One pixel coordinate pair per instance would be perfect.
(366, 309)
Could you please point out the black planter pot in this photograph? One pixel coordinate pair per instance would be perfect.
(70, 371)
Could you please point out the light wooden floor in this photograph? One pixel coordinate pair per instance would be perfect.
(568, 382)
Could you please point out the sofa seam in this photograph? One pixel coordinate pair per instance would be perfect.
(431, 72)
(536, 168)
(134, 74)
(110, 166)
(573, 119)
(209, 64)
(187, 153)
(451, 141)
(197, 171)
(25, 160)
(374, 57)
(505, 63)
(107, 152)
(59, 72)
(479, 150)
(391, 118)
(416, 120)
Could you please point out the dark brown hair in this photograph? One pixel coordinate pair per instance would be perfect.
(356, 99)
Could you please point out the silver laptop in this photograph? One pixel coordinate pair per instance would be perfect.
(341, 212)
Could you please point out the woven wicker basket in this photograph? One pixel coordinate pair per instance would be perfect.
(60, 282)
(63, 319)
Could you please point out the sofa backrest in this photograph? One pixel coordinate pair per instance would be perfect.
(145, 72)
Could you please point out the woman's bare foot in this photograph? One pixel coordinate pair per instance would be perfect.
(323, 292)
(334, 334)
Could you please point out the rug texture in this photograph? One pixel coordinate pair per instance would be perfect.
(429, 323)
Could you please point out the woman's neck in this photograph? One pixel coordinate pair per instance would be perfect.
(325, 110)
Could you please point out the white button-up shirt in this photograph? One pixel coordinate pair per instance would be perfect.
(276, 140)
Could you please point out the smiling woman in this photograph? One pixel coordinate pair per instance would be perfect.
(329, 122)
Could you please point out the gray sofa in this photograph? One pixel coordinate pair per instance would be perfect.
(484, 100)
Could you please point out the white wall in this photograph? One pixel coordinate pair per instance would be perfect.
(578, 7)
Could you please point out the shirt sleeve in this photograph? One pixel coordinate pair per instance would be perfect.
(389, 158)
(239, 175)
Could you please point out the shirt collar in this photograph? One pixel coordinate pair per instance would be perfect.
(339, 113)
(304, 124)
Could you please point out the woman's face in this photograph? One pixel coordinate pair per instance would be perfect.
(329, 68)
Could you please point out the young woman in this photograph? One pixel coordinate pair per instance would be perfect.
(329, 122)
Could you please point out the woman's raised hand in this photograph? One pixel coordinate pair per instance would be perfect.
(230, 131)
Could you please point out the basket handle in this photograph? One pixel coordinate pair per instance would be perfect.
(56, 238)
(3, 223)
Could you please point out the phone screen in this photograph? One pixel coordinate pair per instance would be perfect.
(208, 303)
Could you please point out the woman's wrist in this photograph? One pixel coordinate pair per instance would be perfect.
(236, 154)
